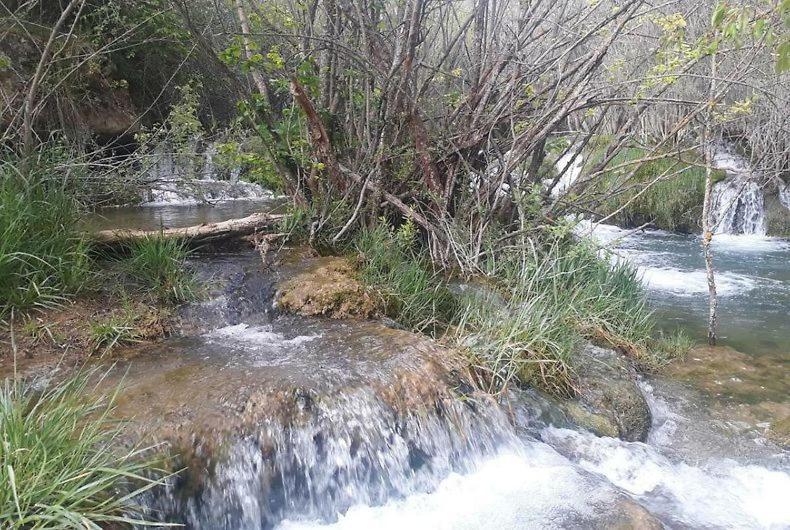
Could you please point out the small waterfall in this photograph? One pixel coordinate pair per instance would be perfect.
(195, 179)
(570, 166)
(327, 454)
(738, 202)
(784, 195)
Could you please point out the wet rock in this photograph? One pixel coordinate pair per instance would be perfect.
(609, 402)
(327, 287)
(629, 515)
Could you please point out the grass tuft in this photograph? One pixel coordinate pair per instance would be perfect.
(158, 264)
(58, 465)
(43, 257)
(414, 293)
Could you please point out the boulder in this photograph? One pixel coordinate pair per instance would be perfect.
(609, 402)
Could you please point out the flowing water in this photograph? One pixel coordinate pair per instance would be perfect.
(295, 422)
(738, 202)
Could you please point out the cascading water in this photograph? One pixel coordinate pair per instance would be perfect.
(193, 179)
(738, 202)
(302, 423)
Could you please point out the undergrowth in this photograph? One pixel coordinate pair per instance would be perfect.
(414, 293)
(60, 462)
(43, 256)
(158, 265)
(524, 318)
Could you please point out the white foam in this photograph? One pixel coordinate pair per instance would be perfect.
(718, 493)
(689, 283)
(252, 336)
(536, 488)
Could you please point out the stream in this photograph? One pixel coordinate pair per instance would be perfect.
(298, 422)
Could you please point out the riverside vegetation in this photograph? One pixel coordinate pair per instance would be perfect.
(421, 137)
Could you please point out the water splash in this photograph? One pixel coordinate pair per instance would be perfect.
(326, 455)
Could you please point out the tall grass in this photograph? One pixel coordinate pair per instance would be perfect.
(672, 203)
(60, 462)
(43, 256)
(158, 264)
(414, 293)
(526, 321)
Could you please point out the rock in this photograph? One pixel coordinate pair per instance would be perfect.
(631, 516)
(777, 215)
(327, 287)
(609, 402)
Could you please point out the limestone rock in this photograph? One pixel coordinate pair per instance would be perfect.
(610, 403)
(327, 287)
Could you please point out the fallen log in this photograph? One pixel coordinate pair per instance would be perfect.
(230, 229)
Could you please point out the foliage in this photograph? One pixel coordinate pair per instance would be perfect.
(673, 200)
(58, 462)
(158, 265)
(43, 257)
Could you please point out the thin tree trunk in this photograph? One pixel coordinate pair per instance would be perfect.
(32, 91)
(244, 22)
(707, 229)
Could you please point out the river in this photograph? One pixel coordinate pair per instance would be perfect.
(706, 464)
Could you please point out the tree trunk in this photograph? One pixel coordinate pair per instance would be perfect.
(230, 229)
(707, 229)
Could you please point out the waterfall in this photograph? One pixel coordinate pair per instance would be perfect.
(195, 179)
(784, 195)
(570, 165)
(738, 202)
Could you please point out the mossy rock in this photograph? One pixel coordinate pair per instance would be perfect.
(777, 217)
(328, 287)
(609, 401)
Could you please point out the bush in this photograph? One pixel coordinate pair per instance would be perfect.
(158, 264)
(58, 464)
(43, 256)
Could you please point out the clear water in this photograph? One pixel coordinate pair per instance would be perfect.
(353, 464)
(177, 215)
(752, 277)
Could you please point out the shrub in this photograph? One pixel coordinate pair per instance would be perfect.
(43, 256)
(158, 264)
(58, 462)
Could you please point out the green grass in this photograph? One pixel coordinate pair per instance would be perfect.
(526, 320)
(43, 256)
(61, 465)
(557, 295)
(158, 264)
(112, 331)
(673, 203)
(414, 293)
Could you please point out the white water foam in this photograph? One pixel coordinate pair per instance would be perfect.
(718, 493)
(691, 283)
(254, 336)
(533, 488)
